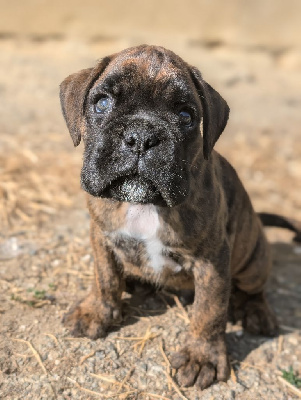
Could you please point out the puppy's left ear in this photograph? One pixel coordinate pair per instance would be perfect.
(73, 93)
(215, 111)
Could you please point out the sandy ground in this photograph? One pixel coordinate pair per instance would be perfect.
(45, 256)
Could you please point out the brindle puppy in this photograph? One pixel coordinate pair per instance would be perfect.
(164, 206)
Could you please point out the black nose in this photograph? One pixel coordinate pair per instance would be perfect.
(140, 142)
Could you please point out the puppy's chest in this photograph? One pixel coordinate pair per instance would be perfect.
(139, 243)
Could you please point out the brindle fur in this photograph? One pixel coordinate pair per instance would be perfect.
(209, 227)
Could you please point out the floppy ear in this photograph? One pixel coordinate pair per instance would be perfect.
(73, 93)
(215, 112)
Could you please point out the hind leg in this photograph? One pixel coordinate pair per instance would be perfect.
(248, 300)
(254, 311)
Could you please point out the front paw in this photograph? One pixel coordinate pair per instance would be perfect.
(91, 317)
(202, 362)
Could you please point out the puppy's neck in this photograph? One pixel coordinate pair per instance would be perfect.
(141, 221)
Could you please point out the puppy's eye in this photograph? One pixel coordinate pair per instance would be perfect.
(185, 118)
(103, 105)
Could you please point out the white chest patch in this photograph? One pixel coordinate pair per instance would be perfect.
(142, 223)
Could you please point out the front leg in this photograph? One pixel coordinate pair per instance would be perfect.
(204, 358)
(93, 315)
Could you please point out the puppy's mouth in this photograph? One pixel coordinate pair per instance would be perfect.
(134, 189)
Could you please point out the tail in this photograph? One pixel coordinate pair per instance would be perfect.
(279, 221)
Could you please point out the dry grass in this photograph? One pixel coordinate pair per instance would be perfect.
(34, 187)
(101, 395)
(35, 353)
(183, 313)
(141, 340)
(290, 387)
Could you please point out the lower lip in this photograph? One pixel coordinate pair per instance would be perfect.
(134, 189)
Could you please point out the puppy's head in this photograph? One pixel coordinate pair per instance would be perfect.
(139, 113)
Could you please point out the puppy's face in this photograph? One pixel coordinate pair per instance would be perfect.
(142, 119)
(140, 114)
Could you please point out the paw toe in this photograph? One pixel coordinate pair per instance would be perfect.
(189, 373)
(179, 359)
(206, 376)
(223, 369)
(82, 324)
(95, 330)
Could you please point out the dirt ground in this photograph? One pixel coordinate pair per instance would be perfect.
(45, 255)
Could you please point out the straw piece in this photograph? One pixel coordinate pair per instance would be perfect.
(156, 396)
(35, 353)
(83, 359)
(175, 386)
(291, 387)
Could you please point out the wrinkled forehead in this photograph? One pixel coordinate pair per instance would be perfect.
(153, 71)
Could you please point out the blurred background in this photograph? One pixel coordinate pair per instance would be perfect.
(249, 51)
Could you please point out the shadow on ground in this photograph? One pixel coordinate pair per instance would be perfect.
(284, 295)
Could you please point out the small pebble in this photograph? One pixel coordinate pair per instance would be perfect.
(86, 258)
(297, 250)
(56, 263)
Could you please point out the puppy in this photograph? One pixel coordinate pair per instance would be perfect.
(165, 207)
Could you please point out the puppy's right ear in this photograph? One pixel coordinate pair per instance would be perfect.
(73, 92)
